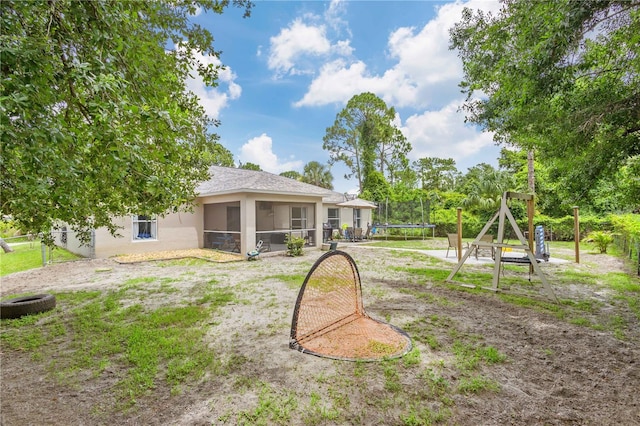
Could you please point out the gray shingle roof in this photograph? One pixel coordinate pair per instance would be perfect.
(226, 180)
(334, 198)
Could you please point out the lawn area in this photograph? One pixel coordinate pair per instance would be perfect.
(28, 255)
(190, 341)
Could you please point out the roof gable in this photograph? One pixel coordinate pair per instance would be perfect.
(225, 180)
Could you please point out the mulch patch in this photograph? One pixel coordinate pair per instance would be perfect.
(205, 254)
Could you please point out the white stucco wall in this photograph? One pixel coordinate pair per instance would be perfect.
(186, 230)
(346, 215)
(176, 231)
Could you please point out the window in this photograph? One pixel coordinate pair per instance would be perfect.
(334, 218)
(357, 218)
(144, 228)
(298, 217)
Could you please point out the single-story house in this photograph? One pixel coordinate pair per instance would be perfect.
(234, 210)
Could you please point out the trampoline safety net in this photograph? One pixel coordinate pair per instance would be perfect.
(329, 319)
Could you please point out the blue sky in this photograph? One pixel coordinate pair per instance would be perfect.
(293, 65)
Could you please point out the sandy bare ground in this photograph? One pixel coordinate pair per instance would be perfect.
(556, 372)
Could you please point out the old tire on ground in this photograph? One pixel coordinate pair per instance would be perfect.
(20, 306)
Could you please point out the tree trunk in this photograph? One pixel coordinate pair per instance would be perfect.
(531, 173)
(5, 246)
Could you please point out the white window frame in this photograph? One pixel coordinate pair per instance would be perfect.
(140, 224)
(334, 221)
(299, 222)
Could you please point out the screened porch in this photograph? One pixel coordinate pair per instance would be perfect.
(276, 220)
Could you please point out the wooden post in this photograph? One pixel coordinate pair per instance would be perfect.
(530, 214)
(459, 232)
(576, 233)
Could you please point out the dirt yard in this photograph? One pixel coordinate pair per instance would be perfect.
(556, 372)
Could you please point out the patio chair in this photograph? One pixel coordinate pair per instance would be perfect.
(348, 234)
(488, 249)
(453, 243)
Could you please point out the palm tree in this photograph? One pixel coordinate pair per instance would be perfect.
(486, 191)
(317, 174)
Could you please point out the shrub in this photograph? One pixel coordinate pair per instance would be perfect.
(601, 239)
(294, 245)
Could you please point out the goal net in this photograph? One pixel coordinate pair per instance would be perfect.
(329, 319)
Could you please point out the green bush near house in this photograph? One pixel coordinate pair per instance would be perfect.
(294, 245)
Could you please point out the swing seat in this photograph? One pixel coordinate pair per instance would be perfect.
(520, 260)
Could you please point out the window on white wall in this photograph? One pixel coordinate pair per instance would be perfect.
(298, 217)
(334, 218)
(144, 228)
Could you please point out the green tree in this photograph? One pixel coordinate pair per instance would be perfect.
(95, 116)
(560, 77)
(364, 138)
(473, 174)
(547, 196)
(376, 187)
(249, 166)
(292, 174)
(628, 179)
(317, 174)
(437, 174)
(619, 193)
(485, 190)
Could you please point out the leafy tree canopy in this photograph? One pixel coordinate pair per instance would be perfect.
(249, 166)
(292, 174)
(437, 174)
(317, 174)
(561, 77)
(484, 187)
(365, 139)
(376, 187)
(95, 116)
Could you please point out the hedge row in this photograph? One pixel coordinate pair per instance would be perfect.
(557, 229)
(625, 229)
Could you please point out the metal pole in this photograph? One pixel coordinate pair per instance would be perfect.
(576, 232)
(422, 211)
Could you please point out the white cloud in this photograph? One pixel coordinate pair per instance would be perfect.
(297, 48)
(333, 16)
(443, 134)
(293, 42)
(338, 82)
(426, 73)
(214, 99)
(259, 150)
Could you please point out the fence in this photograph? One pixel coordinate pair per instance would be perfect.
(67, 246)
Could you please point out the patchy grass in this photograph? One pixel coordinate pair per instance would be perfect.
(138, 344)
(407, 244)
(293, 281)
(477, 384)
(112, 330)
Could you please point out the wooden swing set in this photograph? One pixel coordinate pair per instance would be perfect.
(529, 259)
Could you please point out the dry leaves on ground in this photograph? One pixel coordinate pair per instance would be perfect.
(205, 254)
